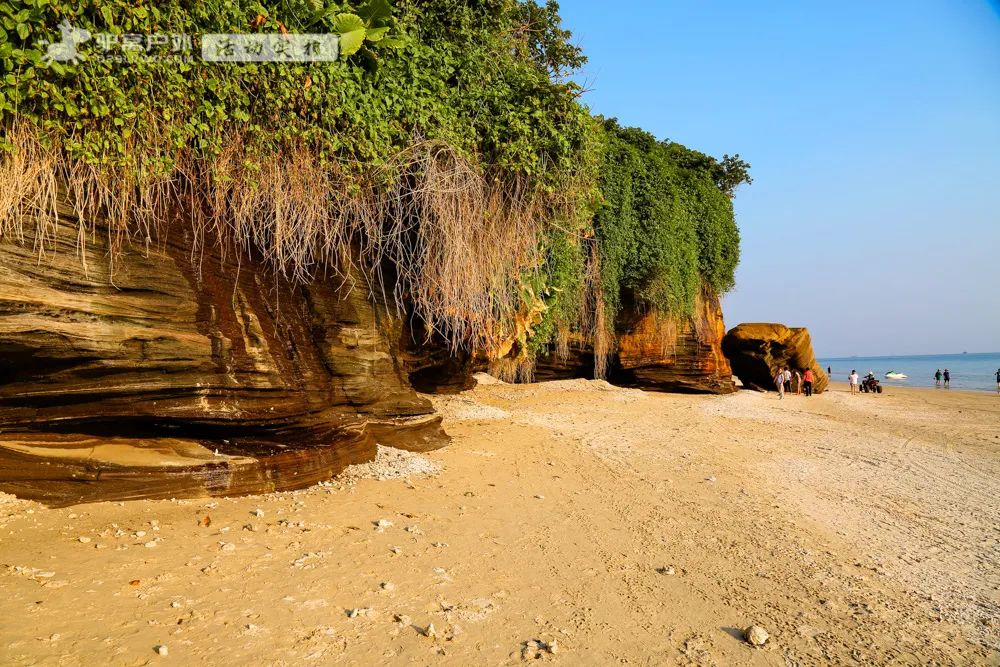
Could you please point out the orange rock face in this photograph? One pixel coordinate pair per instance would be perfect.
(658, 353)
(675, 355)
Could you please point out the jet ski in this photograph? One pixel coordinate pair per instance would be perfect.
(893, 375)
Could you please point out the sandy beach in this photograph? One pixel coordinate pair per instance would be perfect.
(571, 522)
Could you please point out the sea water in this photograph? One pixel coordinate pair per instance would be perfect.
(968, 371)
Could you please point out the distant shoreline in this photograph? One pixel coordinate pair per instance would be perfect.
(913, 356)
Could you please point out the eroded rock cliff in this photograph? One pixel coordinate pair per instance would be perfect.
(167, 373)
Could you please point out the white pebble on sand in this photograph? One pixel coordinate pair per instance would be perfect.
(756, 635)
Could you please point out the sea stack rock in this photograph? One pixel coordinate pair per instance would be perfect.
(758, 350)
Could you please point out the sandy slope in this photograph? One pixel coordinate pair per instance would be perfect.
(857, 530)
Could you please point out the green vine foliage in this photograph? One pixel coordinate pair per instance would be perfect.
(665, 224)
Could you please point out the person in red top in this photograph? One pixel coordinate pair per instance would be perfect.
(807, 381)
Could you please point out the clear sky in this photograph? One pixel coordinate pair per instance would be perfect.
(873, 129)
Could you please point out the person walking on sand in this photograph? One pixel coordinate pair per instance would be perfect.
(937, 378)
(854, 381)
(779, 382)
(947, 378)
(798, 382)
(807, 381)
(788, 381)
(998, 380)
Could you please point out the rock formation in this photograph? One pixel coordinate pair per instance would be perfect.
(167, 374)
(758, 351)
(661, 354)
(159, 372)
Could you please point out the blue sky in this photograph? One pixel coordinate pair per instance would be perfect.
(874, 134)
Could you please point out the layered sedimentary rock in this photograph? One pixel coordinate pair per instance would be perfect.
(758, 351)
(657, 353)
(167, 373)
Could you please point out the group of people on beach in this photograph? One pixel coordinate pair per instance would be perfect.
(939, 376)
(803, 381)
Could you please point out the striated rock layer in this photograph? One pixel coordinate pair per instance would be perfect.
(758, 351)
(660, 354)
(165, 375)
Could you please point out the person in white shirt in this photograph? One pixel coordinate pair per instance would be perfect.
(788, 380)
(779, 382)
(854, 382)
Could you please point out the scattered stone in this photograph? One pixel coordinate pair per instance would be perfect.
(140, 533)
(430, 631)
(227, 546)
(535, 649)
(415, 530)
(160, 649)
(396, 550)
(668, 570)
(540, 497)
(85, 540)
(382, 524)
(756, 635)
(258, 513)
(175, 604)
(390, 463)
(361, 611)
(388, 586)
(710, 479)
(150, 544)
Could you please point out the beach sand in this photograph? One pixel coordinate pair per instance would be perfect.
(607, 525)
